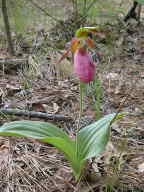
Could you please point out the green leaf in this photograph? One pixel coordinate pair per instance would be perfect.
(90, 142)
(45, 132)
(34, 129)
(68, 147)
(42, 131)
(83, 31)
(93, 139)
(140, 1)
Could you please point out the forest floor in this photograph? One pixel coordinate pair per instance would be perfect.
(40, 86)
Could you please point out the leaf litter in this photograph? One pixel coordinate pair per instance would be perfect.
(27, 165)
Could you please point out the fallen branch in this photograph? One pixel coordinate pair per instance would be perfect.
(9, 64)
(13, 61)
(34, 114)
(136, 114)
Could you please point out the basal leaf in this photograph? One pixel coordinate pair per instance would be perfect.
(45, 132)
(68, 147)
(92, 139)
(34, 129)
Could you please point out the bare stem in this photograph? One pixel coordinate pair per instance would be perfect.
(80, 115)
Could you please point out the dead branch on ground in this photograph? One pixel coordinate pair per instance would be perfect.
(27, 113)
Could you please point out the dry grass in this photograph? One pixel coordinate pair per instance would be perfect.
(27, 166)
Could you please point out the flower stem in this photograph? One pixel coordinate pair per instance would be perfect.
(81, 99)
(80, 115)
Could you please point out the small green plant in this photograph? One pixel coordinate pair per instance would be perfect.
(94, 90)
(98, 95)
(90, 141)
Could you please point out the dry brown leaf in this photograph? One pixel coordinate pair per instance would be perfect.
(55, 107)
(12, 89)
(141, 168)
(38, 107)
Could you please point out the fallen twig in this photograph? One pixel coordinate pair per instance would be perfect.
(8, 61)
(34, 114)
(136, 114)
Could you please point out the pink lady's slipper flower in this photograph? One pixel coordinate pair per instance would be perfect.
(84, 67)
